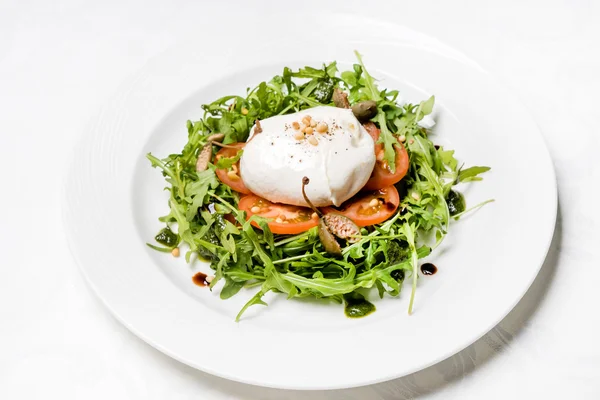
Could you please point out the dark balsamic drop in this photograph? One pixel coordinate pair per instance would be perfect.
(428, 269)
(200, 279)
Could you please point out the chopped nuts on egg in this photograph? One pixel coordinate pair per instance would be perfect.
(299, 136)
(313, 140)
(296, 125)
(309, 130)
(322, 127)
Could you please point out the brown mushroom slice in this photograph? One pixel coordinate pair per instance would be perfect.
(216, 137)
(328, 240)
(332, 225)
(340, 98)
(365, 110)
(342, 227)
(257, 128)
(204, 157)
(206, 152)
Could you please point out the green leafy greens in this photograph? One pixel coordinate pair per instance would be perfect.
(204, 215)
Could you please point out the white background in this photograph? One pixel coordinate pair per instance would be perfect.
(59, 61)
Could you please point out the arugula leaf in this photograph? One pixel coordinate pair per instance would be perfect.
(227, 162)
(425, 108)
(471, 174)
(256, 299)
(231, 288)
(371, 88)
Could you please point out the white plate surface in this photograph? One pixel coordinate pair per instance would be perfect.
(113, 198)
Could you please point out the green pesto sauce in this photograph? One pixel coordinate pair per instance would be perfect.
(357, 306)
(456, 202)
(166, 237)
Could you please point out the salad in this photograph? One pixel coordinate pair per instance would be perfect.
(315, 184)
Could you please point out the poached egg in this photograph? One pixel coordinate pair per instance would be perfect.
(326, 144)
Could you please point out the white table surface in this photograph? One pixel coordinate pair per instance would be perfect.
(59, 61)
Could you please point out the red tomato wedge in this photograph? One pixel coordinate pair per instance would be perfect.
(285, 218)
(231, 177)
(370, 208)
(382, 176)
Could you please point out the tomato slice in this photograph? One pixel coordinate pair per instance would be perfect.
(370, 208)
(382, 176)
(285, 218)
(231, 177)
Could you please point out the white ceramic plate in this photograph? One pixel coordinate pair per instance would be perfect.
(113, 199)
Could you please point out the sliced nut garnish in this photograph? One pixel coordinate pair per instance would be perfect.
(233, 176)
(313, 140)
(322, 127)
(313, 123)
(296, 125)
(299, 136)
(309, 130)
